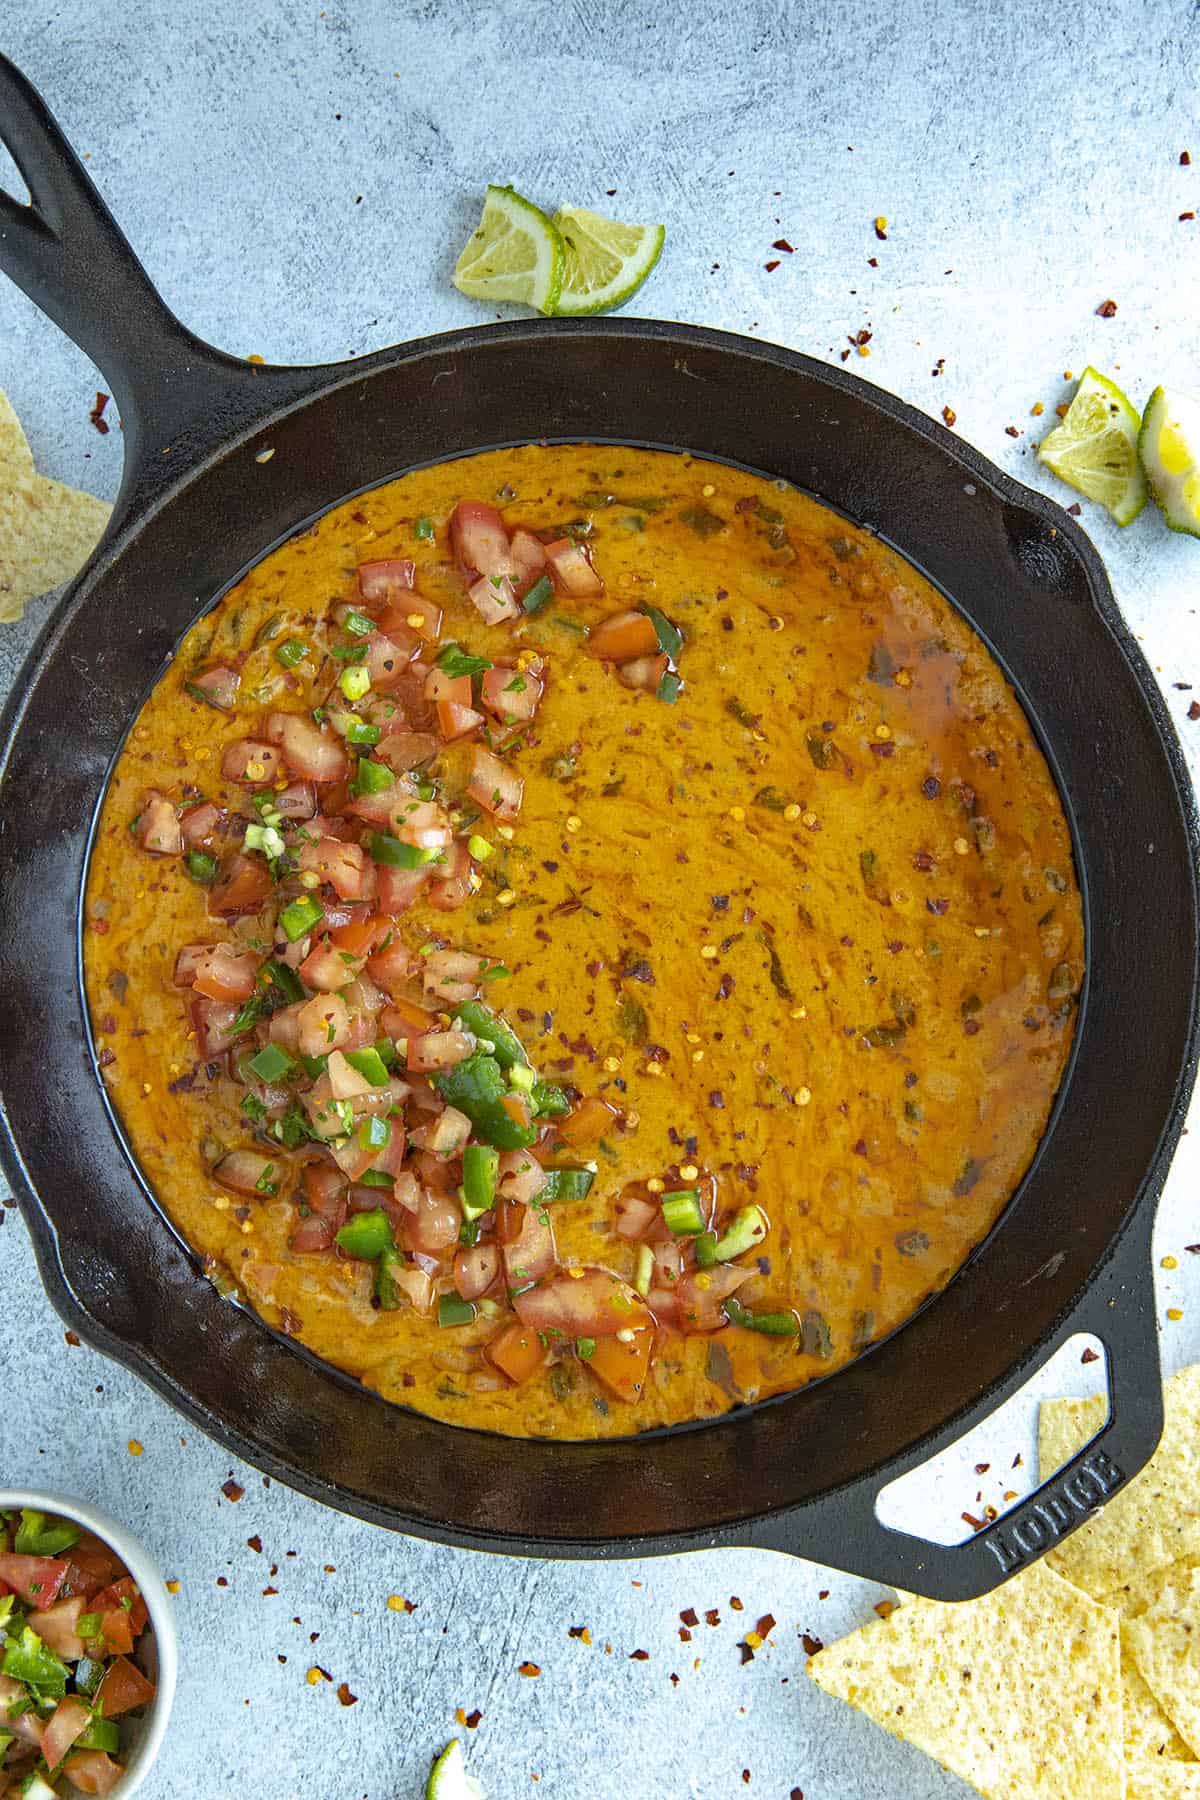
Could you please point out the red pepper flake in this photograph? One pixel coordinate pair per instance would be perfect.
(766, 1625)
(824, 1594)
(222, 1581)
(1192, 1249)
(813, 1645)
(939, 908)
(639, 1656)
(881, 230)
(949, 417)
(746, 1776)
(872, 262)
(269, 1590)
(97, 414)
(771, 266)
(782, 244)
(529, 1669)
(232, 1489)
(344, 1694)
(1012, 431)
(1107, 309)
(70, 1336)
(1075, 510)
(746, 1652)
(1184, 158)
(975, 1524)
(885, 1608)
(712, 1616)
(1090, 1356)
(982, 1468)
(581, 1632)
(255, 1543)
(1192, 713)
(735, 1604)
(1186, 215)
(685, 1636)
(100, 927)
(689, 1616)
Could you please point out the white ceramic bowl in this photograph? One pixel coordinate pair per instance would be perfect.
(142, 1736)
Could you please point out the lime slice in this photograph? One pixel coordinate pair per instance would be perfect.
(606, 261)
(514, 253)
(1169, 447)
(1094, 450)
(448, 1778)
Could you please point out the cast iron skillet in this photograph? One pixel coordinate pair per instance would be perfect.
(1071, 1252)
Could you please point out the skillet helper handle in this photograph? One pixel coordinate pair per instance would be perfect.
(845, 1531)
(177, 396)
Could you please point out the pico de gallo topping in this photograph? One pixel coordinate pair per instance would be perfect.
(383, 1091)
(71, 1622)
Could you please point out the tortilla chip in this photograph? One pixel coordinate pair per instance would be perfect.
(1149, 1734)
(1169, 1781)
(47, 533)
(1152, 1522)
(1019, 1692)
(1165, 1641)
(14, 445)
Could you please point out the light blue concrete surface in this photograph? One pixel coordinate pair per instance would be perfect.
(1027, 159)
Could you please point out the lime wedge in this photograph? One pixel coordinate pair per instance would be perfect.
(514, 253)
(1169, 447)
(448, 1778)
(606, 261)
(1095, 448)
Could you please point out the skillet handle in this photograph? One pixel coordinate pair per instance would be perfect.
(844, 1530)
(177, 396)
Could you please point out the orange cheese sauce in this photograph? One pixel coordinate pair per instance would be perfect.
(814, 929)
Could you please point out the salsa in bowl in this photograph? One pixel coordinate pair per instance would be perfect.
(582, 938)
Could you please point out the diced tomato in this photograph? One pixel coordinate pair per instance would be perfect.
(157, 826)
(328, 969)
(219, 686)
(398, 889)
(435, 1224)
(68, 1721)
(375, 808)
(521, 1176)
(635, 1215)
(494, 786)
(392, 966)
(306, 749)
(440, 686)
(572, 568)
(405, 1019)
(34, 1579)
(125, 1597)
(700, 1306)
(346, 867)
(324, 1025)
(586, 1122)
(200, 826)
(213, 1022)
(56, 1626)
(123, 1688)
(445, 1134)
(25, 1725)
(325, 1193)
(623, 636)
(439, 1050)
(93, 1771)
(283, 1026)
(530, 557)
(511, 695)
(250, 761)
(475, 1269)
(388, 655)
(386, 581)
(517, 1351)
(404, 750)
(222, 975)
(421, 823)
(412, 607)
(453, 880)
(418, 1284)
(622, 1365)
(298, 800)
(493, 599)
(243, 886)
(360, 936)
(644, 672)
(480, 541)
(592, 1303)
(246, 1172)
(186, 963)
(451, 975)
(456, 721)
(532, 1254)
